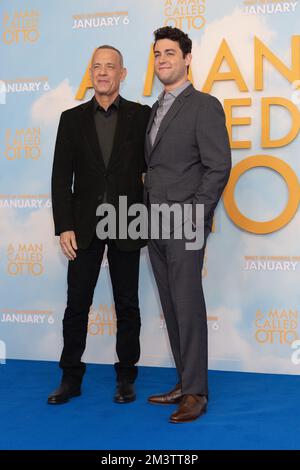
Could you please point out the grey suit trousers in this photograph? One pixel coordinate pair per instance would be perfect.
(178, 274)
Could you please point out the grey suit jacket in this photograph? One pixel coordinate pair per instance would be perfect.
(190, 160)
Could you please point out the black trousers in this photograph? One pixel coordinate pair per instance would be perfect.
(83, 274)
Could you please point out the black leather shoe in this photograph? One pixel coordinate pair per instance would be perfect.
(124, 393)
(63, 394)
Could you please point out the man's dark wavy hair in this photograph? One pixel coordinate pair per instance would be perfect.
(174, 34)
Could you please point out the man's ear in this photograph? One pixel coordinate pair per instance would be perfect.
(188, 59)
(124, 74)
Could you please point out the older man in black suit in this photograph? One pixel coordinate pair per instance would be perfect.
(99, 156)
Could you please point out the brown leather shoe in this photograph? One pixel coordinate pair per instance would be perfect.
(174, 396)
(190, 408)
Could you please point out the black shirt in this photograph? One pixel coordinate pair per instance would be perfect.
(105, 122)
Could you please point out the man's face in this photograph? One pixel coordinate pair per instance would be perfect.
(106, 72)
(170, 65)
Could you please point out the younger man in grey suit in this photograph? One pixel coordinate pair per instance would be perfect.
(188, 158)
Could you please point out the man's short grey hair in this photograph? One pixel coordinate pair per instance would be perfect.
(106, 46)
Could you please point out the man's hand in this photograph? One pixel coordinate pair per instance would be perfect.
(68, 244)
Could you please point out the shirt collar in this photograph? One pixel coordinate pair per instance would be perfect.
(114, 104)
(176, 92)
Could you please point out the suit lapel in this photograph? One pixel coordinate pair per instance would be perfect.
(124, 122)
(152, 115)
(89, 129)
(173, 111)
(151, 119)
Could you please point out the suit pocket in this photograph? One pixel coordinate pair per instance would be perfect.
(175, 194)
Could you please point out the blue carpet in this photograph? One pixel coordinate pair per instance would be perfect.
(246, 411)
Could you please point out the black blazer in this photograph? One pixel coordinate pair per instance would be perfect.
(80, 178)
